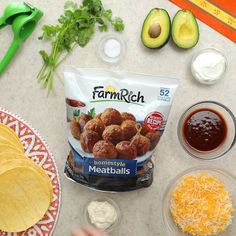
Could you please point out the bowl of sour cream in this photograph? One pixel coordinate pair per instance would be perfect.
(102, 213)
(208, 66)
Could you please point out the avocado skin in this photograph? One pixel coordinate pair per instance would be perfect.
(198, 35)
(169, 33)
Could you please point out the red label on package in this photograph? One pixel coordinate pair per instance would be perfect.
(154, 121)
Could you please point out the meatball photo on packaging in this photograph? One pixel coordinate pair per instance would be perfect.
(115, 122)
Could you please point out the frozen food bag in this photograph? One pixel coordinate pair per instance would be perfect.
(115, 121)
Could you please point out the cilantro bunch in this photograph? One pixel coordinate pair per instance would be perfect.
(75, 27)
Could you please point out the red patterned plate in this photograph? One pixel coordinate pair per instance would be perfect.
(38, 151)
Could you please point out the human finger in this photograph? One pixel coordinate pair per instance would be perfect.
(94, 232)
(76, 232)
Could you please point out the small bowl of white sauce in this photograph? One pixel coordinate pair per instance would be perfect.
(102, 213)
(208, 66)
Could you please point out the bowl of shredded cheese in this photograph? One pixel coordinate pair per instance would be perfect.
(201, 202)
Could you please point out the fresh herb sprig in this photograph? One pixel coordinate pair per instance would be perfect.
(76, 27)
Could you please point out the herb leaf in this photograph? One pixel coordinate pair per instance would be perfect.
(76, 113)
(118, 24)
(75, 27)
(92, 112)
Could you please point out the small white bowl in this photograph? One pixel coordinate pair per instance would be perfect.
(204, 76)
(113, 203)
(111, 48)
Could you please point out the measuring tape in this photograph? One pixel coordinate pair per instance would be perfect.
(215, 11)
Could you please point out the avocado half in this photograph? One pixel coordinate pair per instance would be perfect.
(185, 31)
(156, 28)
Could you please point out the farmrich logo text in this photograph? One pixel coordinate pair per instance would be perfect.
(110, 93)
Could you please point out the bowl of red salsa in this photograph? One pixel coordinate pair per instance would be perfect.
(206, 130)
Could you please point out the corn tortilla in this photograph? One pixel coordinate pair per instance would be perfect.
(7, 163)
(8, 133)
(8, 147)
(24, 198)
(10, 155)
(8, 136)
(25, 188)
(15, 144)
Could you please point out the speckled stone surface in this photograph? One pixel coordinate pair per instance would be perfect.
(21, 94)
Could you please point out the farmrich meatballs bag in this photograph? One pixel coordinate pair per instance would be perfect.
(115, 121)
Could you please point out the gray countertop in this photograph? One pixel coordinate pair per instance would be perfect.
(21, 94)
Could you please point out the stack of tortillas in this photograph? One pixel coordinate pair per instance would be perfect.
(25, 188)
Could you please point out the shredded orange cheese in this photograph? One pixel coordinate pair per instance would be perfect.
(201, 205)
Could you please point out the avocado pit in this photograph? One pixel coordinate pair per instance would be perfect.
(154, 30)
